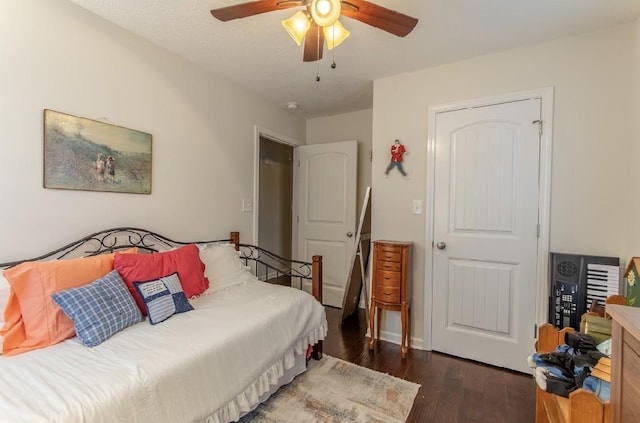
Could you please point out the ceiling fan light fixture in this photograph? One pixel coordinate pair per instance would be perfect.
(297, 26)
(335, 34)
(305, 25)
(325, 12)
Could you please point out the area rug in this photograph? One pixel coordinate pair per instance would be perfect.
(333, 390)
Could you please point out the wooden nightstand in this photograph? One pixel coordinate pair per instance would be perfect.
(390, 287)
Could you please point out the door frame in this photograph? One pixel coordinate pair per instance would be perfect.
(544, 196)
(282, 139)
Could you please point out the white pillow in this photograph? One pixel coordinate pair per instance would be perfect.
(223, 267)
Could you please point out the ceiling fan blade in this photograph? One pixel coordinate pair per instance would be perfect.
(251, 8)
(313, 44)
(388, 20)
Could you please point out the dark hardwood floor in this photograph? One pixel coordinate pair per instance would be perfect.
(453, 390)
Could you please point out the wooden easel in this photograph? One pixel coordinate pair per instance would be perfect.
(357, 282)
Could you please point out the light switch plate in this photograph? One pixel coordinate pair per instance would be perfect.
(247, 205)
(417, 207)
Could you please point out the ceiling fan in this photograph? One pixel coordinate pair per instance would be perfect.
(318, 22)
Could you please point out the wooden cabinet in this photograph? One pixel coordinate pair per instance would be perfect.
(390, 287)
(625, 363)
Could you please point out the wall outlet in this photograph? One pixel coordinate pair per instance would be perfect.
(417, 207)
(247, 205)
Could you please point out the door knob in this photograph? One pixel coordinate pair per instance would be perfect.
(349, 234)
(441, 245)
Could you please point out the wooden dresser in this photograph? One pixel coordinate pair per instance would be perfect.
(625, 363)
(390, 287)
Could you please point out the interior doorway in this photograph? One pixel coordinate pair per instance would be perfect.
(275, 197)
(485, 221)
(297, 187)
(488, 194)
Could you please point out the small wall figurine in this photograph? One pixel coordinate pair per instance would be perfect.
(397, 153)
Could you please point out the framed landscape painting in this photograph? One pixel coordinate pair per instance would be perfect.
(84, 154)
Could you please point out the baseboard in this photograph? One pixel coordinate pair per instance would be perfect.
(395, 338)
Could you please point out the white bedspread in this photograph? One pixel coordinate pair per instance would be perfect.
(205, 365)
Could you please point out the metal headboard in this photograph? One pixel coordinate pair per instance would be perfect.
(110, 240)
(265, 264)
(274, 268)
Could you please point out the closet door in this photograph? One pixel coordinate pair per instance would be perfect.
(485, 232)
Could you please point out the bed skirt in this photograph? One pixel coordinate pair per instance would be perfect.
(247, 401)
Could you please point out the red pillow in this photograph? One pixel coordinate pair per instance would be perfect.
(145, 267)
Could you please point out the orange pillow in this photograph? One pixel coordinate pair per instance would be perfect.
(32, 319)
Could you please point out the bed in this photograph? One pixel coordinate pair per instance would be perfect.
(243, 339)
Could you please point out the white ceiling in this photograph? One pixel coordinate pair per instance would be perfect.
(257, 53)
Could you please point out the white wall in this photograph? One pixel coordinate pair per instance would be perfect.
(593, 135)
(56, 55)
(634, 180)
(345, 127)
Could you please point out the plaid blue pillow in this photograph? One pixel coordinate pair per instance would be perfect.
(163, 297)
(99, 309)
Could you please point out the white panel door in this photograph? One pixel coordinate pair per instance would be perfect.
(327, 211)
(485, 233)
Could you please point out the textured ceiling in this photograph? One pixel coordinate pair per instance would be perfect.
(256, 52)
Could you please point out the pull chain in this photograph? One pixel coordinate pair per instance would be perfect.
(333, 51)
(318, 54)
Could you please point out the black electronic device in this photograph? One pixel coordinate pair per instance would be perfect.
(576, 282)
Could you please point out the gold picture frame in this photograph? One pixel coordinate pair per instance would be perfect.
(88, 155)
